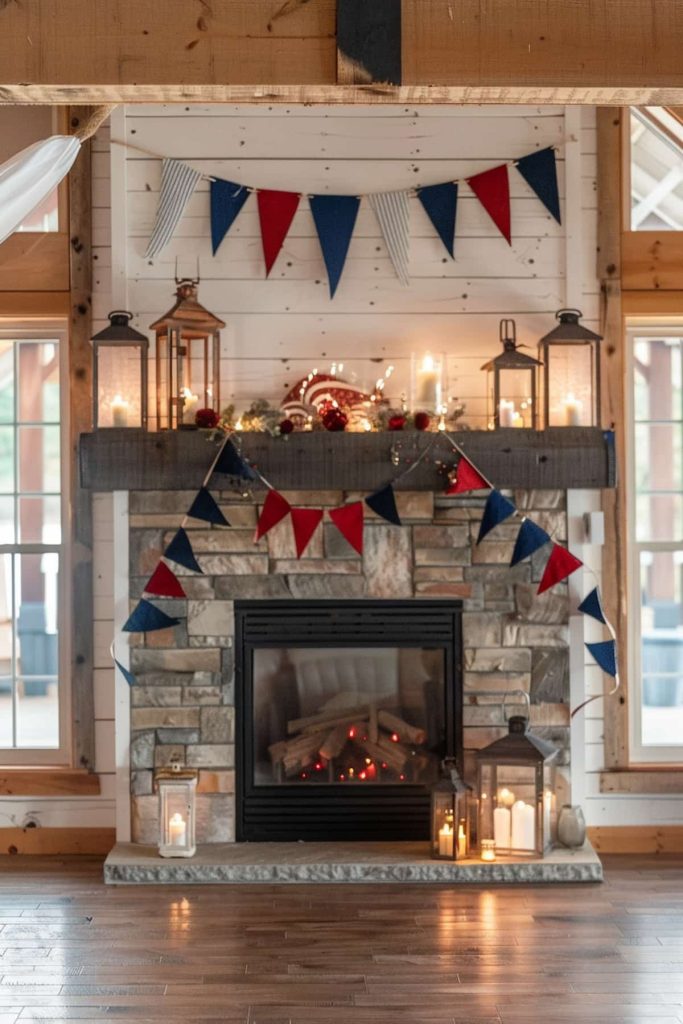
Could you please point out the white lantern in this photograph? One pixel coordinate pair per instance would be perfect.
(177, 788)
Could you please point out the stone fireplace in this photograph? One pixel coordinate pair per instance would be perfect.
(183, 703)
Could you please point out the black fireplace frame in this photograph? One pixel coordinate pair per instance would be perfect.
(328, 812)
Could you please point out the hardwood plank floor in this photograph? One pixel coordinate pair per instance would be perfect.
(72, 949)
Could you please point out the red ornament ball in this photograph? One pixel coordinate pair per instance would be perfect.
(422, 421)
(396, 423)
(206, 418)
(334, 419)
(286, 427)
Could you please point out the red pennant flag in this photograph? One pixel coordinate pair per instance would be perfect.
(349, 521)
(164, 583)
(276, 211)
(492, 189)
(304, 523)
(275, 508)
(562, 563)
(467, 479)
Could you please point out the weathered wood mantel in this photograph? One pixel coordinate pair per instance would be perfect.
(577, 457)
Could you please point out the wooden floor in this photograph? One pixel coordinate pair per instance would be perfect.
(71, 949)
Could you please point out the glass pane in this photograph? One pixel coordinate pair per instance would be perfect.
(39, 462)
(6, 381)
(38, 372)
(662, 647)
(119, 376)
(6, 460)
(45, 216)
(515, 408)
(658, 378)
(348, 716)
(658, 457)
(656, 170)
(39, 520)
(37, 712)
(35, 619)
(6, 711)
(570, 375)
(659, 517)
(7, 521)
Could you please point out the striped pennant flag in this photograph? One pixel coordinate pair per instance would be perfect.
(391, 210)
(178, 182)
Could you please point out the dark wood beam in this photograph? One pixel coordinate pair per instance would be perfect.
(369, 42)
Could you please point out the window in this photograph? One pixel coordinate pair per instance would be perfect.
(32, 695)
(656, 169)
(655, 494)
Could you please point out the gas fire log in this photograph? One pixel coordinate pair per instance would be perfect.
(295, 754)
(404, 730)
(334, 742)
(393, 758)
(328, 719)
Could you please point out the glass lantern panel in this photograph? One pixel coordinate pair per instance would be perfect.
(514, 808)
(444, 830)
(569, 375)
(515, 408)
(196, 376)
(549, 805)
(176, 825)
(119, 386)
(487, 775)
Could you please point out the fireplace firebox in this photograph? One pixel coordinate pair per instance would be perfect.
(344, 712)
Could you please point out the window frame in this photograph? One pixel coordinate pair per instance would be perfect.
(60, 756)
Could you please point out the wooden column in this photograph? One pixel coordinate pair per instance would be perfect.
(80, 419)
(369, 42)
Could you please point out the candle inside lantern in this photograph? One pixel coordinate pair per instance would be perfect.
(501, 827)
(462, 840)
(573, 410)
(427, 384)
(523, 822)
(517, 419)
(506, 413)
(446, 840)
(190, 404)
(506, 797)
(177, 830)
(119, 412)
(488, 849)
(547, 808)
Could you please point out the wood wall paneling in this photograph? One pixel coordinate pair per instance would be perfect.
(652, 261)
(57, 841)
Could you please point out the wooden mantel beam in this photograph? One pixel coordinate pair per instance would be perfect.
(516, 51)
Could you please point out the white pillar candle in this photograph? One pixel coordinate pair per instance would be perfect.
(446, 840)
(190, 405)
(119, 412)
(488, 849)
(501, 827)
(427, 384)
(573, 410)
(177, 830)
(462, 841)
(517, 419)
(523, 820)
(506, 413)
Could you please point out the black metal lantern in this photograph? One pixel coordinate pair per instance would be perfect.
(450, 817)
(120, 374)
(571, 376)
(516, 790)
(511, 385)
(187, 359)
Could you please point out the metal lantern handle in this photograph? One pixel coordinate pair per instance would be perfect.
(507, 331)
(120, 312)
(516, 693)
(576, 312)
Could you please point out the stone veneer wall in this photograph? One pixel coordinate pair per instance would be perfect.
(182, 702)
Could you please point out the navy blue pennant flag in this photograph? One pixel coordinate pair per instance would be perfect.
(529, 539)
(227, 199)
(335, 219)
(231, 463)
(383, 502)
(539, 170)
(127, 675)
(180, 551)
(147, 618)
(204, 507)
(592, 605)
(605, 653)
(441, 203)
(496, 510)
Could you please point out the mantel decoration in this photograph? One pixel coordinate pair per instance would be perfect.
(511, 384)
(120, 359)
(570, 355)
(187, 359)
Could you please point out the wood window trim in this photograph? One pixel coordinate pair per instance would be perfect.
(48, 782)
(644, 778)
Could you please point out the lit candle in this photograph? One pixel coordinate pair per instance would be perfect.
(446, 840)
(506, 797)
(517, 419)
(462, 841)
(523, 822)
(190, 403)
(573, 410)
(427, 384)
(177, 830)
(119, 412)
(488, 849)
(506, 413)
(501, 827)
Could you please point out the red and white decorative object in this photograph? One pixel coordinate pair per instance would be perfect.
(314, 393)
(305, 522)
(349, 521)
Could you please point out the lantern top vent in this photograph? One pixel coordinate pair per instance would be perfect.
(119, 330)
(570, 328)
(187, 313)
(518, 746)
(511, 358)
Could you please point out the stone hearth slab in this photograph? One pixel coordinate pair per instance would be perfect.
(246, 863)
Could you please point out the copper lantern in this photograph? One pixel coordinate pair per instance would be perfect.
(120, 355)
(187, 359)
(511, 385)
(571, 375)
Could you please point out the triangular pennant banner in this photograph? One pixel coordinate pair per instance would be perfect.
(539, 170)
(497, 510)
(562, 563)
(392, 212)
(592, 605)
(467, 478)
(164, 583)
(227, 199)
(275, 508)
(440, 203)
(178, 182)
(349, 521)
(383, 502)
(529, 539)
(335, 219)
(492, 189)
(126, 673)
(605, 653)
(231, 463)
(180, 551)
(276, 212)
(147, 618)
(304, 524)
(204, 507)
